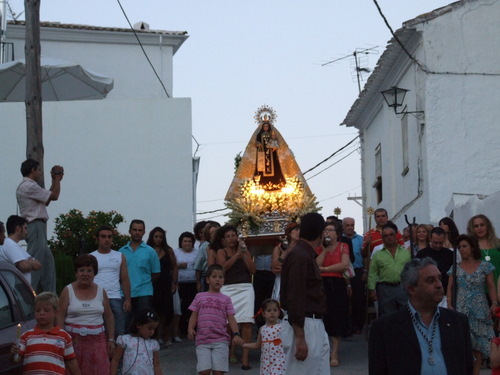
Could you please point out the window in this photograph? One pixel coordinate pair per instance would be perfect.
(25, 299)
(404, 144)
(6, 318)
(378, 172)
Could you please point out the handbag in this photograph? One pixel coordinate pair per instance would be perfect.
(349, 272)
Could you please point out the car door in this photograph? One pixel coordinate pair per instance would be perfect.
(16, 307)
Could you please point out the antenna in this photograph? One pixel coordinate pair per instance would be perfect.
(13, 14)
(359, 62)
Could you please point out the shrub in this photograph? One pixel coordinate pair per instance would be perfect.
(74, 234)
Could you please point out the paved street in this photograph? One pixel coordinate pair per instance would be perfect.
(180, 359)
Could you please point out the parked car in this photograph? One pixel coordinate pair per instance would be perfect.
(16, 307)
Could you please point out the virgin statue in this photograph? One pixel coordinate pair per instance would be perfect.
(267, 164)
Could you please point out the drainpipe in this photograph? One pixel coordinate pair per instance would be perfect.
(3, 29)
(363, 179)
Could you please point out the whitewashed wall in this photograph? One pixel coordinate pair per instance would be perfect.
(132, 156)
(460, 137)
(130, 152)
(463, 110)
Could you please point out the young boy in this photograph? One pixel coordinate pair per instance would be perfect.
(46, 349)
(211, 312)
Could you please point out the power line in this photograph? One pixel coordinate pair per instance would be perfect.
(331, 156)
(338, 161)
(143, 50)
(338, 195)
(211, 200)
(211, 212)
(395, 37)
(421, 66)
(151, 64)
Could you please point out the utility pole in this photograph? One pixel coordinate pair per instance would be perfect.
(34, 133)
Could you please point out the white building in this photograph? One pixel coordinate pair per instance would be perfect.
(130, 152)
(416, 166)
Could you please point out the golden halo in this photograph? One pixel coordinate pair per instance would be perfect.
(264, 111)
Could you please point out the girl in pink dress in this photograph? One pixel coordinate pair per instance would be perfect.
(272, 357)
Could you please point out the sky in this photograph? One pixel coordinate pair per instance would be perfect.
(241, 55)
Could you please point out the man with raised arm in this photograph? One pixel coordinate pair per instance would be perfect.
(33, 200)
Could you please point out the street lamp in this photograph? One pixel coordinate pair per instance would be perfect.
(394, 97)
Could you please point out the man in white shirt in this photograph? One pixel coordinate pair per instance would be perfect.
(2, 233)
(17, 230)
(32, 200)
(113, 276)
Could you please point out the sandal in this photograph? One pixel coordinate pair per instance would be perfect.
(233, 360)
(334, 362)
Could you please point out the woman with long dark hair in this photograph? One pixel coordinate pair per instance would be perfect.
(472, 276)
(333, 260)
(166, 284)
(233, 255)
(450, 228)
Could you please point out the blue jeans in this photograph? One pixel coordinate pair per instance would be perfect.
(116, 305)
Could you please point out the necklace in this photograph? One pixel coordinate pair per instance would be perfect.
(430, 341)
(487, 257)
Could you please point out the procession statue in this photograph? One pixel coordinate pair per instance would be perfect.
(268, 190)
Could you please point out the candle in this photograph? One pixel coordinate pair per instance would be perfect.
(18, 339)
(18, 335)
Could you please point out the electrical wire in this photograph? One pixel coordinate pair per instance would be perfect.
(338, 195)
(338, 161)
(396, 38)
(421, 66)
(331, 156)
(211, 212)
(151, 64)
(143, 50)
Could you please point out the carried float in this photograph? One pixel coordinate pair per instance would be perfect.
(268, 190)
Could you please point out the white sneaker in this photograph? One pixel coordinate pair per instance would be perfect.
(177, 339)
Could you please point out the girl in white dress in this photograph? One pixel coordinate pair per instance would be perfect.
(272, 355)
(139, 351)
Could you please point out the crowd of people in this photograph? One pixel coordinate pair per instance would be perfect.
(314, 288)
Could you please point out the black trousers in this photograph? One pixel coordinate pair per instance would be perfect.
(358, 300)
(263, 283)
(187, 292)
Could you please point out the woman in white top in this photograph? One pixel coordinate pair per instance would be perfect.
(85, 313)
(185, 256)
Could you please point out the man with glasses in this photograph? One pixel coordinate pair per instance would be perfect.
(441, 255)
(113, 275)
(372, 240)
(384, 276)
